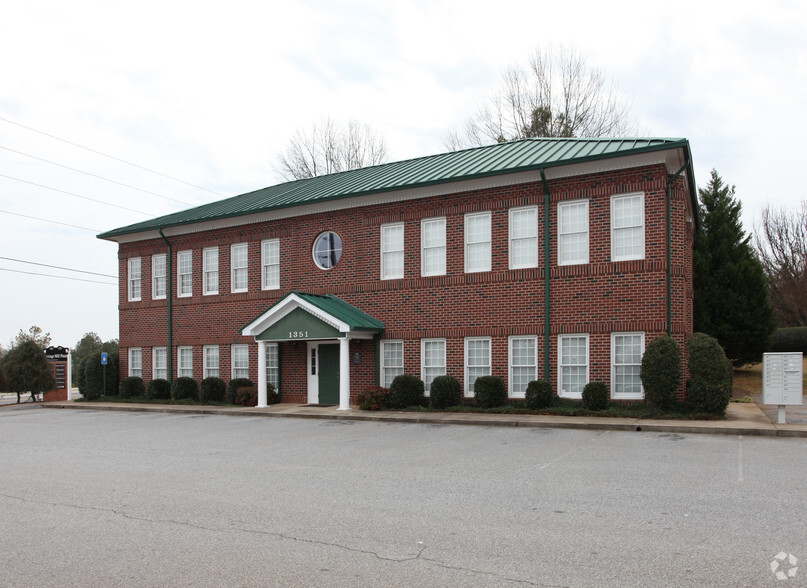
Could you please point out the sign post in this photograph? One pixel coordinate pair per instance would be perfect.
(782, 382)
(104, 361)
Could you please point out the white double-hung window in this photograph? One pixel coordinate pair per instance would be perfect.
(573, 232)
(477, 242)
(477, 361)
(185, 362)
(392, 361)
(210, 277)
(211, 361)
(239, 257)
(240, 361)
(523, 237)
(159, 363)
(627, 227)
(433, 360)
(158, 275)
(573, 365)
(273, 366)
(136, 362)
(392, 251)
(433, 247)
(523, 364)
(626, 365)
(135, 281)
(270, 264)
(184, 273)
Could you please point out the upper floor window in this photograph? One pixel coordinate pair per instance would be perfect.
(184, 273)
(573, 232)
(477, 242)
(210, 278)
(136, 362)
(627, 227)
(240, 358)
(392, 251)
(524, 237)
(270, 264)
(158, 274)
(392, 361)
(238, 267)
(433, 247)
(327, 250)
(134, 279)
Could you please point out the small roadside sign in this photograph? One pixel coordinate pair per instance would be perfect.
(104, 358)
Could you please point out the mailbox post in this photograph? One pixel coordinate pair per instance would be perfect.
(782, 382)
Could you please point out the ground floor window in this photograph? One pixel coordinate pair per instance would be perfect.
(240, 361)
(135, 362)
(573, 365)
(392, 361)
(523, 364)
(477, 361)
(185, 362)
(273, 365)
(626, 365)
(159, 363)
(211, 367)
(433, 360)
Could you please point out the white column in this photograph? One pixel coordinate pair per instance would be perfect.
(344, 374)
(262, 374)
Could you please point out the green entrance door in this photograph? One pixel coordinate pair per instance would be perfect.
(329, 374)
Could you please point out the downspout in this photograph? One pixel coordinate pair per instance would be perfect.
(670, 181)
(546, 275)
(170, 295)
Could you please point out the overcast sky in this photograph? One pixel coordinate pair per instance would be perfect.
(210, 92)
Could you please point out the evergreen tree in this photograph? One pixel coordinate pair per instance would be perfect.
(731, 293)
(27, 370)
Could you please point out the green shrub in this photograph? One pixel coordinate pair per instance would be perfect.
(711, 375)
(661, 371)
(183, 388)
(233, 386)
(272, 397)
(595, 396)
(158, 389)
(406, 390)
(788, 339)
(247, 396)
(131, 387)
(212, 390)
(539, 395)
(490, 391)
(373, 398)
(445, 391)
(95, 373)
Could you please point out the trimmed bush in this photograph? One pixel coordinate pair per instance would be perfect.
(406, 390)
(711, 375)
(373, 398)
(212, 390)
(247, 396)
(158, 389)
(131, 387)
(183, 388)
(233, 386)
(595, 396)
(539, 395)
(661, 371)
(788, 339)
(490, 391)
(445, 391)
(272, 397)
(94, 376)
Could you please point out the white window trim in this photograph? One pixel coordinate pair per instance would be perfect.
(510, 238)
(614, 394)
(132, 352)
(129, 280)
(232, 360)
(423, 248)
(155, 363)
(581, 260)
(206, 291)
(469, 393)
(181, 254)
(423, 365)
(510, 380)
(560, 364)
(180, 367)
(154, 276)
(205, 366)
(489, 241)
(269, 348)
(614, 256)
(273, 286)
(384, 272)
(383, 366)
(233, 268)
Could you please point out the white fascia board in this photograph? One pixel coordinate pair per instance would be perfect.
(283, 308)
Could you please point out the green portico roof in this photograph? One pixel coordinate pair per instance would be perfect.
(502, 158)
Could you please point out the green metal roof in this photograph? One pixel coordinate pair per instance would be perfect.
(502, 158)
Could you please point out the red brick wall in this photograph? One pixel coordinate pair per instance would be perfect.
(598, 298)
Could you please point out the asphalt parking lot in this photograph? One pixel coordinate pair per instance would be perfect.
(141, 499)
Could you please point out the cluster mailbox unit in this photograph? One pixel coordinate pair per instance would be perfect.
(782, 381)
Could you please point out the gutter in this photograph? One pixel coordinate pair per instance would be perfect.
(546, 275)
(670, 180)
(170, 295)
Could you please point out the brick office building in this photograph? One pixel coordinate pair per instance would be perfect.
(553, 259)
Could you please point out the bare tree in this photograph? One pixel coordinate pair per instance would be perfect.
(781, 241)
(329, 148)
(558, 95)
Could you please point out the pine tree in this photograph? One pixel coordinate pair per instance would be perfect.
(731, 293)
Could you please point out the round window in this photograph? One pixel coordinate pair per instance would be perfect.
(327, 250)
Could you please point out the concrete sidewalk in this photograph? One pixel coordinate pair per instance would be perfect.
(741, 419)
